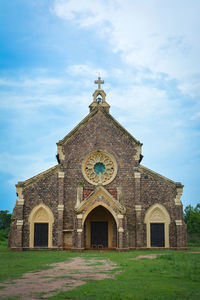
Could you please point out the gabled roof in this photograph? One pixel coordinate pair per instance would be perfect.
(98, 109)
(147, 171)
(39, 176)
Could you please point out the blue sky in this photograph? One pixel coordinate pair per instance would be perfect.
(146, 51)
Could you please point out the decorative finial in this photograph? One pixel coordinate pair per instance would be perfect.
(99, 82)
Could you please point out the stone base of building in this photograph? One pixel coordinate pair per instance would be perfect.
(122, 249)
(77, 249)
(17, 249)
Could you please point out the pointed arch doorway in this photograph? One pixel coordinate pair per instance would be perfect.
(100, 229)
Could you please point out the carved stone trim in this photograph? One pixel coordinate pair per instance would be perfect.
(120, 229)
(178, 222)
(20, 201)
(138, 152)
(120, 216)
(60, 152)
(177, 200)
(80, 216)
(138, 207)
(79, 230)
(79, 195)
(20, 222)
(137, 175)
(99, 157)
(60, 207)
(61, 174)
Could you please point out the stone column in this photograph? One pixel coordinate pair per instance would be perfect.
(139, 226)
(19, 238)
(80, 234)
(120, 240)
(19, 212)
(181, 236)
(138, 215)
(60, 208)
(137, 176)
(60, 226)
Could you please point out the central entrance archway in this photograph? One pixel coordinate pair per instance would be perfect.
(100, 230)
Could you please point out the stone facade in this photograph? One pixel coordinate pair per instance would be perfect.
(130, 202)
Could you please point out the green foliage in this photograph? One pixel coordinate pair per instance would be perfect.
(5, 219)
(4, 234)
(81, 183)
(192, 219)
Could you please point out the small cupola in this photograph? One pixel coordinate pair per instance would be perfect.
(99, 97)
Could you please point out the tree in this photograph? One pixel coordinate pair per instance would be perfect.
(192, 219)
(5, 219)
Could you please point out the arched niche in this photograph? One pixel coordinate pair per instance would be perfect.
(105, 206)
(100, 228)
(41, 214)
(157, 213)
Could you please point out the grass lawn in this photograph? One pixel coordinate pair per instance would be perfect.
(175, 275)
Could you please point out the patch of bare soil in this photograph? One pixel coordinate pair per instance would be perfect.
(61, 277)
(150, 256)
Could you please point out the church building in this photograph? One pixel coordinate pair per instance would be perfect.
(98, 196)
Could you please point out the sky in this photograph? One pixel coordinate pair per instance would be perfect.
(147, 52)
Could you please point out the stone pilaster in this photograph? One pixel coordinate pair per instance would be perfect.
(20, 203)
(19, 232)
(60, 208)
(79, 246)
(137, 177)
(121, 234)
(139, 226)
(181, 235)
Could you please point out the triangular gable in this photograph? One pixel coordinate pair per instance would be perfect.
(147, 171)
(39, 176)
(83, 123)
(100, 190)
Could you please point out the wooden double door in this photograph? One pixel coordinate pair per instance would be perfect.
(99, 234)
(41, 234)
(157, 235)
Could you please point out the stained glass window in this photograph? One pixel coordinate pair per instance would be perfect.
(99, 168)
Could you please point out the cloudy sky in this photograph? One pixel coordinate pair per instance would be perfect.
(146, 51)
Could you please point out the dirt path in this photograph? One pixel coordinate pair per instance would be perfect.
(149, 256)
(61, 277)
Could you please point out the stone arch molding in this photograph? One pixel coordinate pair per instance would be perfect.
(100, 203)
(100, 197)
(40, 214)
(157, 213)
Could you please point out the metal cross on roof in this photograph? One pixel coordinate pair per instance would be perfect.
(99, 82)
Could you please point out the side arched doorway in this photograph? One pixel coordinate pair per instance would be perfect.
(100, 229)
(157, 221)
(41, 221)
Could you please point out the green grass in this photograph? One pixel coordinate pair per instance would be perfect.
(175, 275)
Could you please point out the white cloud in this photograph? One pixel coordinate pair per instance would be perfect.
(28, 82)
(22, 167)
(86, 71)
(161, 36)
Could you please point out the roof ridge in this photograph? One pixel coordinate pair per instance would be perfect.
(88, 117)
(36, 177)
(159, 175)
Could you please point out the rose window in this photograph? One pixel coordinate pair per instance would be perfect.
(99, 168)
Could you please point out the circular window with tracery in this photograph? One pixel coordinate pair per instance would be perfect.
(99, 167)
